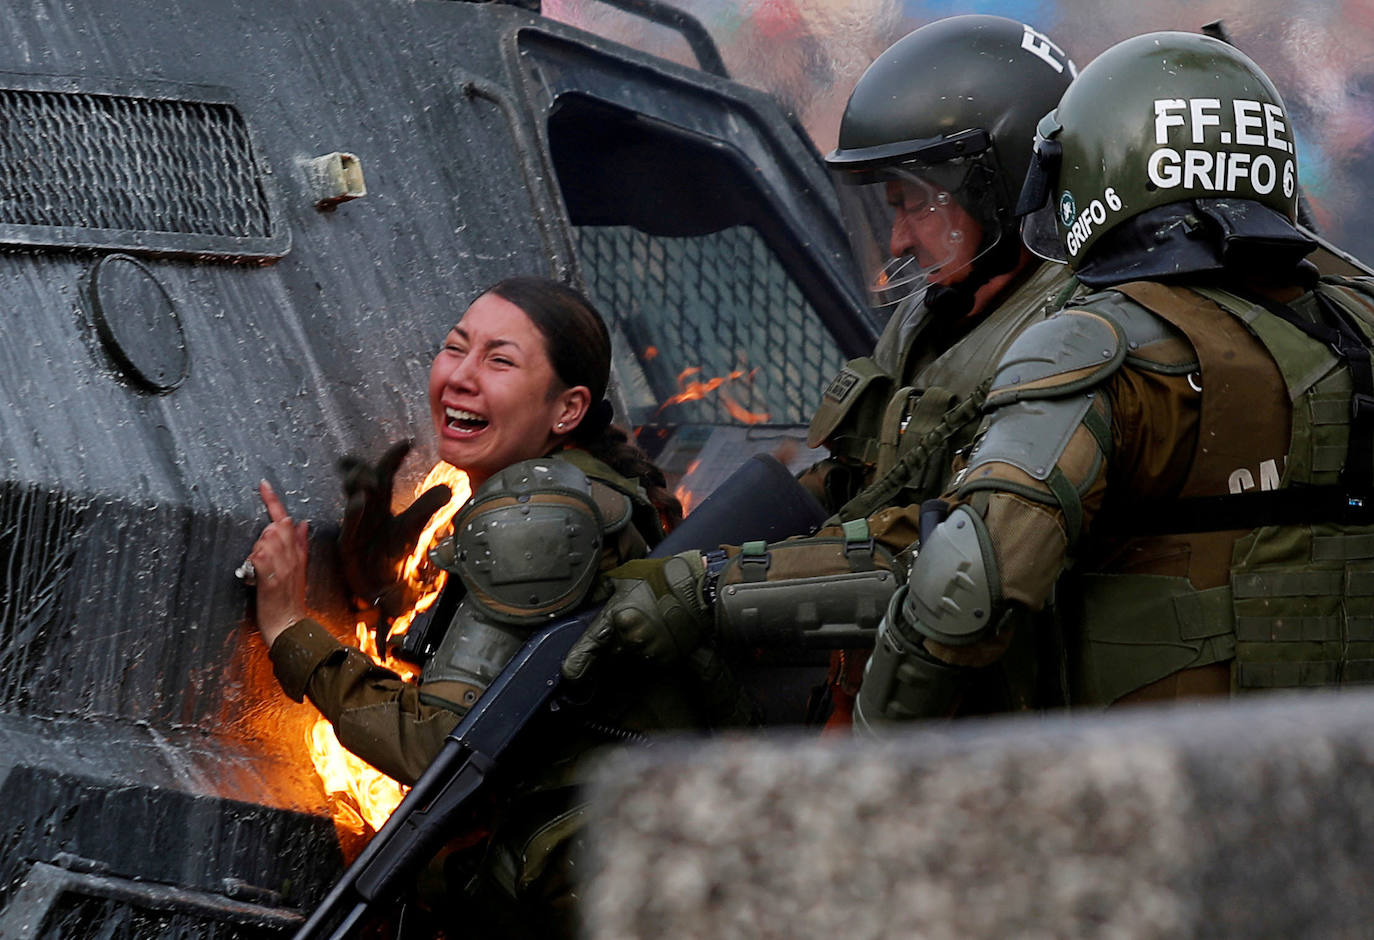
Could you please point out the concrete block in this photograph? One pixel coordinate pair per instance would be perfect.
(1246, 819)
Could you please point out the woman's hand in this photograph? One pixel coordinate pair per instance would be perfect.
(279, 562)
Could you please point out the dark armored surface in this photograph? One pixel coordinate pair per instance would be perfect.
(1245, 820)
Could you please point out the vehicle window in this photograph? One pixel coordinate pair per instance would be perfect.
(709, 329)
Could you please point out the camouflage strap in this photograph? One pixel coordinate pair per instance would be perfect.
(884, 490)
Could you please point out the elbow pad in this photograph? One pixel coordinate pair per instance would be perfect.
(954, 590)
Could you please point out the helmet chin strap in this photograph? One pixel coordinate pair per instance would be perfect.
(951, 301)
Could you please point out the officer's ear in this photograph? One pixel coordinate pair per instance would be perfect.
(570, 408)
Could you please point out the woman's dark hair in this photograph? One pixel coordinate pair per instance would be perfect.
(579, 347)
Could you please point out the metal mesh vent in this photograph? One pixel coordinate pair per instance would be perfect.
(720, 304)
(152, 173)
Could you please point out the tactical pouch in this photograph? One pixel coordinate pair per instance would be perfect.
(1139, 628)
(1304, 607)
(849, 417)
(894, 422)
(815, 592)
(910, 416)
(931, 412)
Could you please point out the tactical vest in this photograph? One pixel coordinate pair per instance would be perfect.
(904, 412)
(902, 415)
(608, 486)
(1289, 605)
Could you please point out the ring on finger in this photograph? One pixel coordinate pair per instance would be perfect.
(247, 573)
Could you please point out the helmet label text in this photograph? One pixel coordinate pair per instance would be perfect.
(1215, 165)
(1092, 217)
(1044, 48)
(1254, 123)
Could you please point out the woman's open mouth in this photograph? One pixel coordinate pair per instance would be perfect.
(465, 422)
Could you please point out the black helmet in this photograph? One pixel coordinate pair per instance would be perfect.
(944, 118)
(1176, 133)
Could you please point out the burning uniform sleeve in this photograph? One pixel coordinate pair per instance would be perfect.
(394, 725)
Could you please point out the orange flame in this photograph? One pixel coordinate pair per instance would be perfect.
(360, 795)
(696, 389)
(740, 413)
(684, 494)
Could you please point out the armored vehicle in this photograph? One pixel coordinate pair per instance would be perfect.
(233, 235)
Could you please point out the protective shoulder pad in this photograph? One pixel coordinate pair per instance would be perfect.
(614, 493)
(1073, 350)
(842, 395)
(1152, 342)
(528, 543)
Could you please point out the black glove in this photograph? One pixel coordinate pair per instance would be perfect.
(373, 543)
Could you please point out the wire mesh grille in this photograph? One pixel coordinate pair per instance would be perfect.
(720, 305)
(111, 162)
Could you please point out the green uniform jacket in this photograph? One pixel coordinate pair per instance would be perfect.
(906, 412)
(399, 727)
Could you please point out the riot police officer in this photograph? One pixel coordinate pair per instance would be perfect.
(517, 401)
(1183, 456)
(934, 144)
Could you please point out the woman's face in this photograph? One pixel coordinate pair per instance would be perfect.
(493, 394)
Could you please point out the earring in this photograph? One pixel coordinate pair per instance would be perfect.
(560, 425)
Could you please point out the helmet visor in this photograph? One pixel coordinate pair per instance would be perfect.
(1037, 207)
(1040, 233)
(912, 226)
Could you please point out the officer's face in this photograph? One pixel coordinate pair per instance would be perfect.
(931, 226)
(493, 394)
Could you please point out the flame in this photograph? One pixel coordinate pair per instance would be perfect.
(697, 389)
(360, 795)
(684, 493)
(740, 413)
